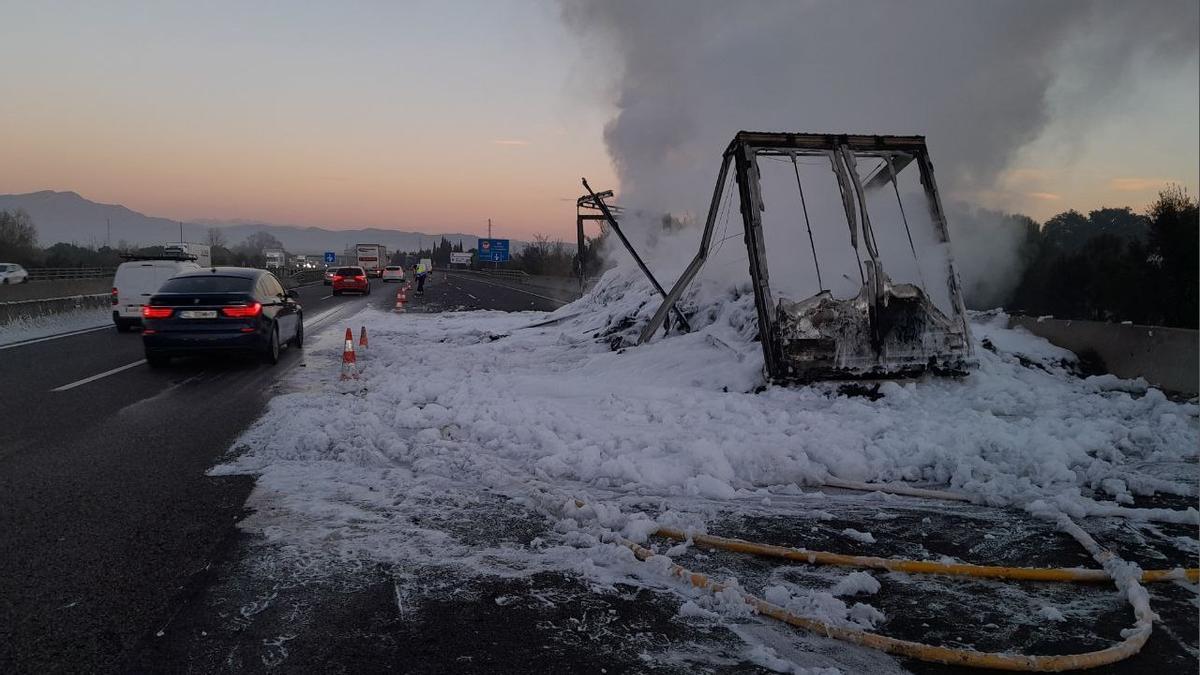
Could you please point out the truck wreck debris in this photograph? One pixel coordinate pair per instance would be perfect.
(885, 329)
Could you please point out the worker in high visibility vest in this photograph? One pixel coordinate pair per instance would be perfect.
(421, 274)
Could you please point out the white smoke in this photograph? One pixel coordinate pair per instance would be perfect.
(973, 77)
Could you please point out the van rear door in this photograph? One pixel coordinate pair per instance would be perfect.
(137, 281)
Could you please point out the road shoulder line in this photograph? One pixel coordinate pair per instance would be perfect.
(33, 341)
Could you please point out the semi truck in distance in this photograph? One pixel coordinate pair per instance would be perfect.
(275, 258)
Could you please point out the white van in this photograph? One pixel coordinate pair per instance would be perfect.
(135, 282)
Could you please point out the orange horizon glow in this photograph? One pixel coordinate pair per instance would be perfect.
(177, 111)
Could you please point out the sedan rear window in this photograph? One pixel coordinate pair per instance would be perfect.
(349, 271)
(207, 285)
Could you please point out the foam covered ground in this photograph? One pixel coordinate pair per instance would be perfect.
(450, 410)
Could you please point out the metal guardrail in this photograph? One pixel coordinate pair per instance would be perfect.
(53, 273)
(518, 276)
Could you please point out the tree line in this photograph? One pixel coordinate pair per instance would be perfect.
(19, 244)
(1114, 264)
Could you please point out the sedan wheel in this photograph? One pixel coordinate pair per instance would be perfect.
(271, 355)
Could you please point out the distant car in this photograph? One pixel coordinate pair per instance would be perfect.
(12, 273)
(393, 273)
(329, 275)
(134, 283)
(222, 309)
(351, 279)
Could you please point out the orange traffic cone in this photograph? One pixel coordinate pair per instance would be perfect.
(362, 337)
(349, 363)
(400, 300)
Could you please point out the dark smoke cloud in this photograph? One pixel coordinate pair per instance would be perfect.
(974, 77)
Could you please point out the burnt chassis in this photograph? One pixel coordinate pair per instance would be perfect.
(888, 329)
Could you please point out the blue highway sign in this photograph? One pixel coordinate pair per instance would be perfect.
(493, 250)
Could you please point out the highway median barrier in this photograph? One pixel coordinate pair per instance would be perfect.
(34, 309)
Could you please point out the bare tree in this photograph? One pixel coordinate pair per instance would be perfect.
(18, 237)
(216, 237)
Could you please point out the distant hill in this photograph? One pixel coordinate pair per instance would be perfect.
(69, 217)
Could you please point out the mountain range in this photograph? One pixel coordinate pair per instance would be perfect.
(71, 218)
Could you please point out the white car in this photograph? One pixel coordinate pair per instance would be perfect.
(135, 282)
(393, 273)
(12, 273)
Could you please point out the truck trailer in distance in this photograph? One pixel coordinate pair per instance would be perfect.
(372, 258)
(201, 254)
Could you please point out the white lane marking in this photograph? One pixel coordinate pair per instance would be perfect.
(56, 336)
(106, 373)
(324, 315)
(327, 297)
(489, 283)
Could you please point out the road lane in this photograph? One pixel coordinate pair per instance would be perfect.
(112, 527)
(93, 378)
(105, 508)
(448, 293)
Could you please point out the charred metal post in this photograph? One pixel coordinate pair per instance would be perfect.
(612, 222)
(752, 208)
(697, 262)
(939, 223)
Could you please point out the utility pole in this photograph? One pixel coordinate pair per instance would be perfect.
(108, 232)
(181, 231)
(489, 228)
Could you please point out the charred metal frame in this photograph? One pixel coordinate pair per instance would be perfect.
(951, 350)
(588, 203)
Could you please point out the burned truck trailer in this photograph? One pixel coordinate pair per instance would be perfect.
(875, 326)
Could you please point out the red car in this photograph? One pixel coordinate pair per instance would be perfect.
(351, 279)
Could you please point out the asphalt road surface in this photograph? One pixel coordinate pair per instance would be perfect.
(107, 520)
(120, 555)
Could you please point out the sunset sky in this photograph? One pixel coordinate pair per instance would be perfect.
(428, 116)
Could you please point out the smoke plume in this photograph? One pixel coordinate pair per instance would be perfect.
(973, 77)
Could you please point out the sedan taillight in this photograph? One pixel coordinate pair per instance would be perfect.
(359, 277)
(338, 277)
(149, 312)
(243, 311)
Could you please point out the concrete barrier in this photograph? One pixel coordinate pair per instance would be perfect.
(34, 309)
(1168, 358)
(38, 290)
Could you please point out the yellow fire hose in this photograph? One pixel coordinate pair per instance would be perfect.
(921, 566)
(916, 650)
(1132, 643)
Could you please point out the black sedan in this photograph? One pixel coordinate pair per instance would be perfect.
(222, 309)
